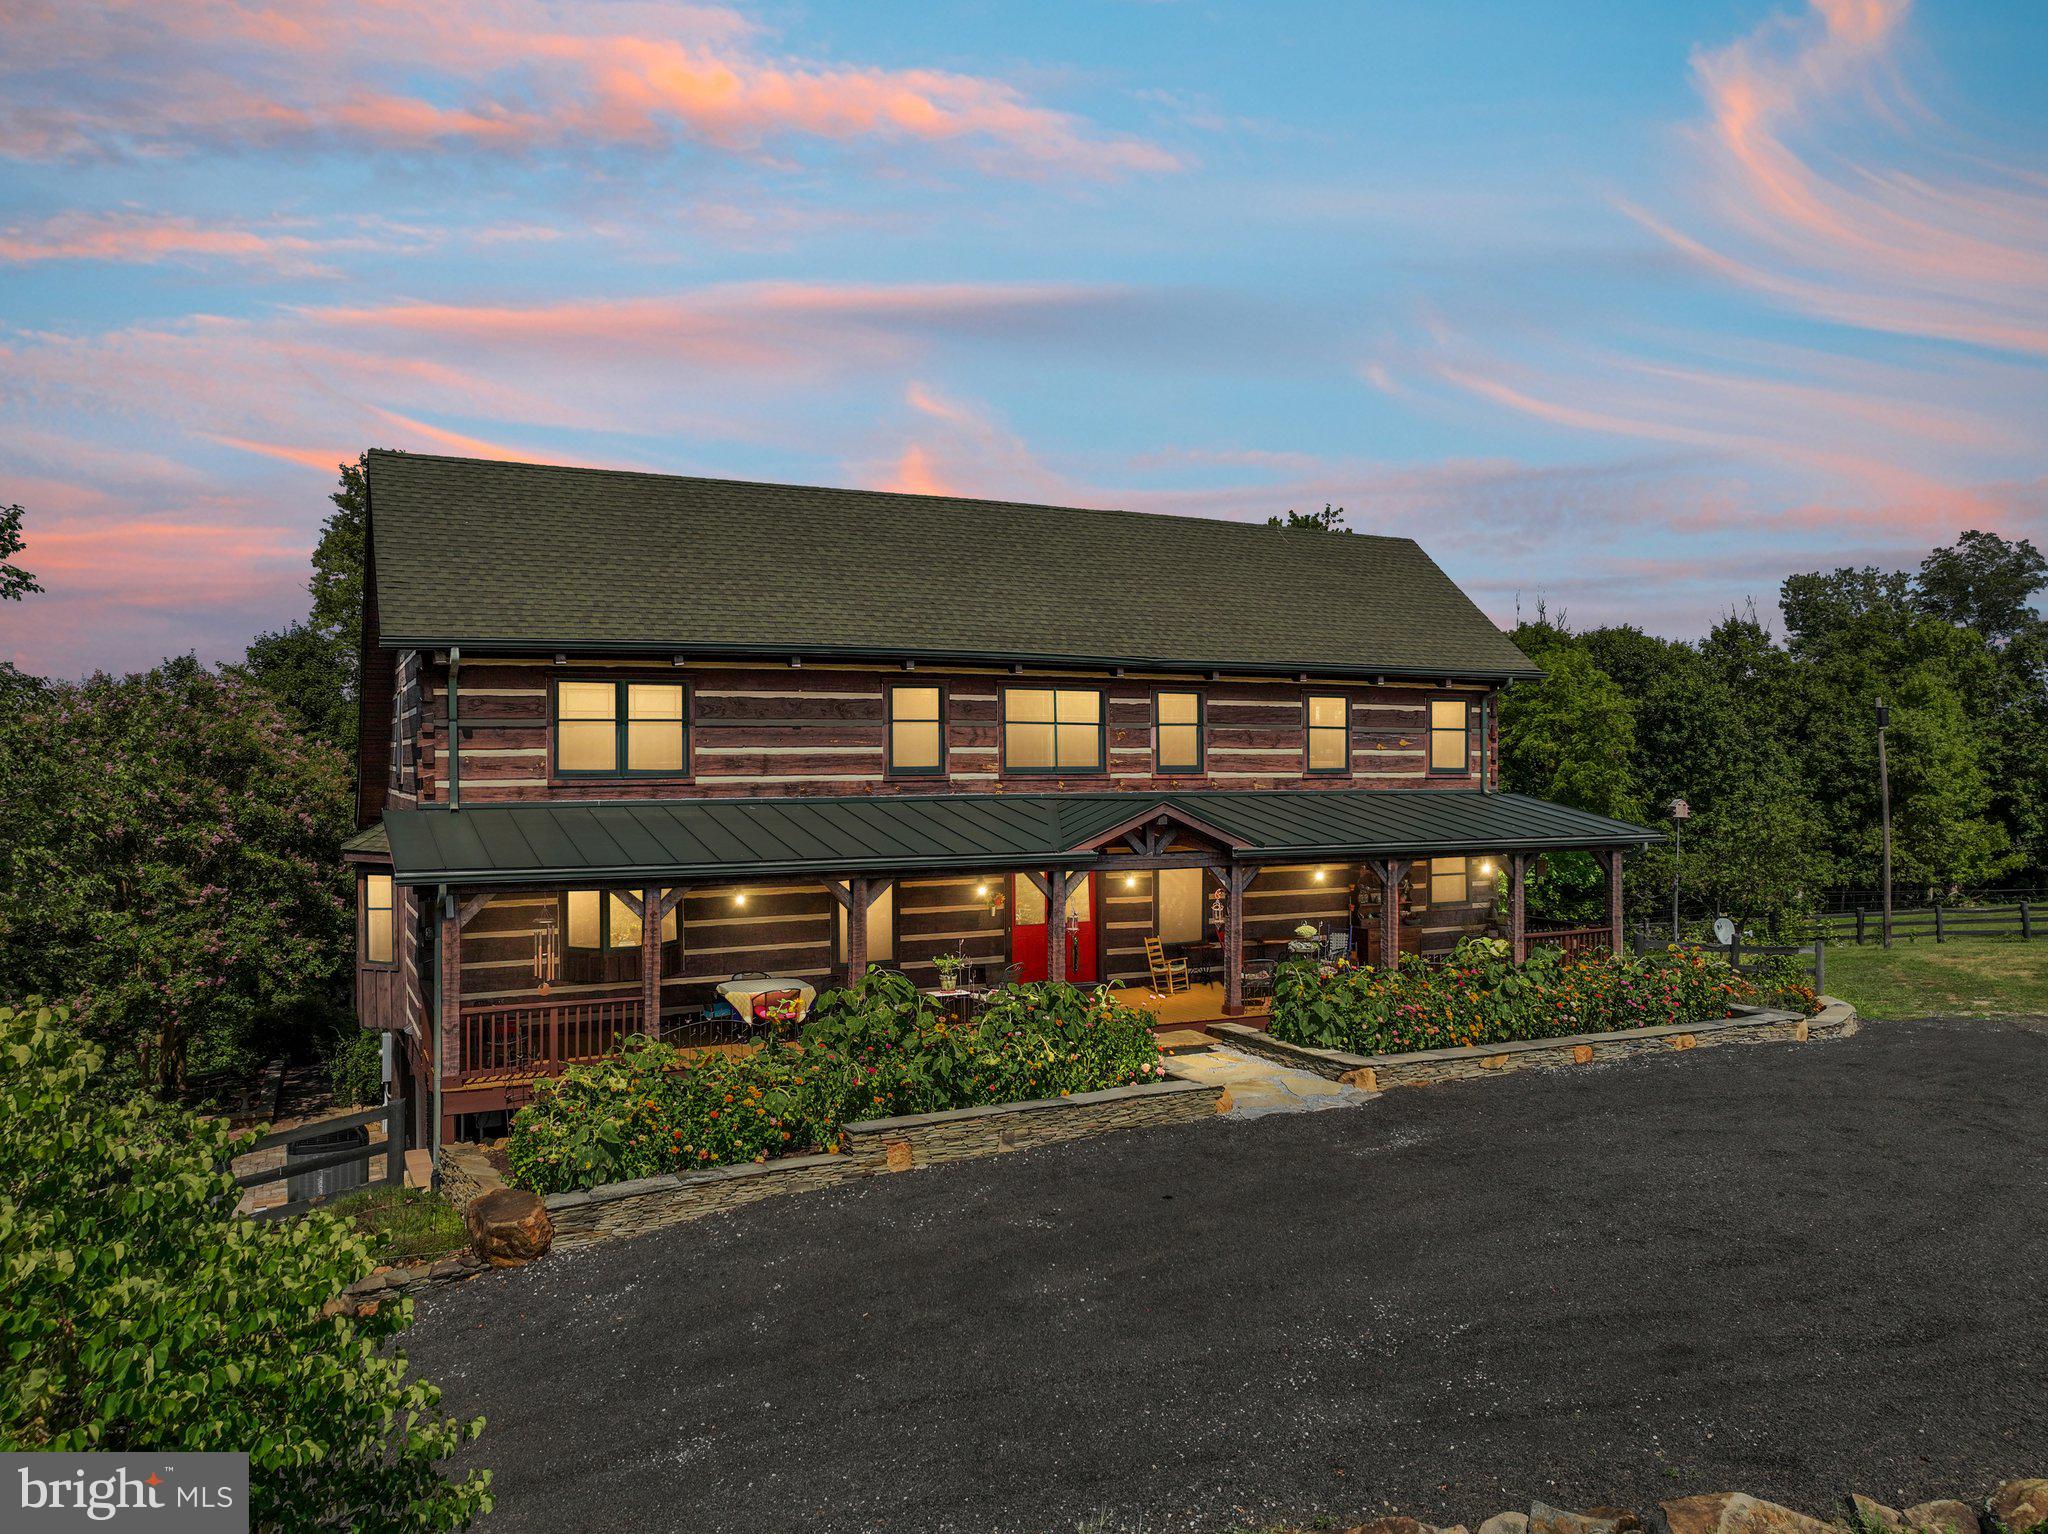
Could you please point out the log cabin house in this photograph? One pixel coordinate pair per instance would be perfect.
(627, 736)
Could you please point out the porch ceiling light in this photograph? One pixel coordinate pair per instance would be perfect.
(981, 892)
(1322, 875)
(1130, 881)
(739, 899)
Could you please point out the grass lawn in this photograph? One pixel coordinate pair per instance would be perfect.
(1964, 977)
(404, 1224)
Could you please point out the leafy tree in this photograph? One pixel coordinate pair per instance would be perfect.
(142, 1315)
(15, 582)
(1325, 521)
(1942, 837)
(312, 666)
(167, 863)
(1982, 582)
(1569, 736)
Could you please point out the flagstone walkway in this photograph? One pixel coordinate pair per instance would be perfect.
(1259, 1087)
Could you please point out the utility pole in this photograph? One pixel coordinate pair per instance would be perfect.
(1680, 810)
(1884, 800)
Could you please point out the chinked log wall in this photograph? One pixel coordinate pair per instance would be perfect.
(820, 729)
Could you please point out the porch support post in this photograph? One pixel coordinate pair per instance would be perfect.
(1057, 890)
(448, 1048)
(650, 962)
(1236, 880)
(1518, 922)
(1393, 872)
(1616, 938)
(857, 903)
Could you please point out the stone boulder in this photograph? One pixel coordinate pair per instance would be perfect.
(1506, 1523)
(1545, 1519)
(1871, 1515)
(2018, 1506)
(509, 1226)
(1945, 1515)
(1732, 1512)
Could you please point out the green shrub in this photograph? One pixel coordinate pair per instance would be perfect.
(1478, 997)
(142, 1314)
(875, 1049)
(648, 1108)
(356, 1068)
(402, 1225)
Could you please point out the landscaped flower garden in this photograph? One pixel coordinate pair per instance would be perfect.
(1477, 997)
(874, 1050)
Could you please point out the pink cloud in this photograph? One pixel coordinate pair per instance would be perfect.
(504, 76)
(1875, 244)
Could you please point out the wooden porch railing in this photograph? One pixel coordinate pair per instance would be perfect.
(536, 1038)
(1571, 939)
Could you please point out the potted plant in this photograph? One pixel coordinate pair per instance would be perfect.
(1306, 942)
(949, 966)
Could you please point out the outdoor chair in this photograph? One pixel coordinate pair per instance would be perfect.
(1009, 974)
(1168, 975)
(1256, 981)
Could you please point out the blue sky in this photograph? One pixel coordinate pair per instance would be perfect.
(1632, 309)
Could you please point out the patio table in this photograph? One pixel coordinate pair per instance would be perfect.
(741, 993)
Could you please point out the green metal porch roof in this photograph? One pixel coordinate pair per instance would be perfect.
(733, 838)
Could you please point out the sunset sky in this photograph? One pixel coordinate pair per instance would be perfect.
(1630, 307)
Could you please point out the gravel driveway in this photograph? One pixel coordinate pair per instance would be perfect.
(1785, 1269)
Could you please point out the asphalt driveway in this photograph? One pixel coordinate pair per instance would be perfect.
(1786, 1269)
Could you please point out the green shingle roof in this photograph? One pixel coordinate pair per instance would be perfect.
(722, 838)
(480, 553)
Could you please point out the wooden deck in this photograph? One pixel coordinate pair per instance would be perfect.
(1199, 1004)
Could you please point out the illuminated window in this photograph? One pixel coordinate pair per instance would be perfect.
(1450, 743)
(916, 731)
(1447, 882)
(615, 728)
(1329, 732)
(1180, 905)
(380, 936)
(1048, 729)
(1178, 732)
(598, 921)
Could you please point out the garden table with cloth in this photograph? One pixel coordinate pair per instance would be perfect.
(741, 993)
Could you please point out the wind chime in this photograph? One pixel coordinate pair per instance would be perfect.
(546, 953)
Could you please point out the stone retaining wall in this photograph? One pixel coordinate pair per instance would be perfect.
(463, 1174)
(869, 1149)
(391, 1283)
(1750, 1025)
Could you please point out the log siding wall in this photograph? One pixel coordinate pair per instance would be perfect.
(823, 730)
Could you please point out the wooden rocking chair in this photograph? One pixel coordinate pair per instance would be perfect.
(1169, 976)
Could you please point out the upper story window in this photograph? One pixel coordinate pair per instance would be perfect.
(1447, 882)
(1450, 742)
(621, 728)
(917, 731)
(1177, 732)
(1329, 732)
(380, 931)
(1052, 729)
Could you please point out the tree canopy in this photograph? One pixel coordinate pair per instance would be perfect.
(15, 582)
(1772, 742)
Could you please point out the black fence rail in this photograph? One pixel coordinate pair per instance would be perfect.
(1737, 953)
(2024, 919)
(391, 1152)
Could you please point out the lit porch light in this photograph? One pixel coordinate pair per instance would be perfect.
(739, 899)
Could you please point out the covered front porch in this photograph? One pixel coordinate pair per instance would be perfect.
(550, 932)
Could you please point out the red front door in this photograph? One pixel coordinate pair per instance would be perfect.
(1028, 930)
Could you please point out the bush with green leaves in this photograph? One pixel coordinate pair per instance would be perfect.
(1477, 996)
(143, 1314)
(356, 1069)
(876, 1049)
